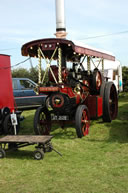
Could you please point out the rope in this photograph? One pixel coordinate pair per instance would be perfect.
(15, 64)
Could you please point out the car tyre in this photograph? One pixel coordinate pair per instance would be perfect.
(38, 154)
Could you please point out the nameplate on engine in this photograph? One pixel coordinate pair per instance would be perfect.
(59, 117)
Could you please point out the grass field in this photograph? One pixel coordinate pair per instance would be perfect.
(97, 163)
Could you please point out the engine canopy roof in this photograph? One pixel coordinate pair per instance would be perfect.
(70, 49)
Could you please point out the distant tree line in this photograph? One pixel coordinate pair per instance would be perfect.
(31, 73)
(125, 78)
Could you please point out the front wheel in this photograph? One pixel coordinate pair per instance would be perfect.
(38, 154)
(82, 121)
(42, 121)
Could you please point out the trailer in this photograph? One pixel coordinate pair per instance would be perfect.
(14, 142)
(9, 121)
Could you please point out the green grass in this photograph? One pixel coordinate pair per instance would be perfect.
(97, 163)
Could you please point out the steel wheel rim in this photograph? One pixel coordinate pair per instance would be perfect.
(38, 155)
(43, 124)
(85, 122)
(113, 102)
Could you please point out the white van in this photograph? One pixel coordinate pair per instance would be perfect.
(113, 72)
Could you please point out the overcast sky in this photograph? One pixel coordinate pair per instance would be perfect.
(25, 20)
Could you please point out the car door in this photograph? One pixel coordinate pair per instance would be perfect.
(27, 87)
(25, 97)
(23, 87)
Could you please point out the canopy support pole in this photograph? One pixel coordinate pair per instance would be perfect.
(102, 66)
(59, 65)
(88, 65)
(39, 67)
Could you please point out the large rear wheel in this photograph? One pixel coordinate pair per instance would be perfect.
(82, 121)
(110, 102)
(42, 121)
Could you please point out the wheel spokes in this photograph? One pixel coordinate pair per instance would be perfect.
(43, 124)
(98, 80)
(85, 123)
(113, 102)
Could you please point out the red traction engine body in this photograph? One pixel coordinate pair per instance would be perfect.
(64, 99)
(75, 93)
(6, 90)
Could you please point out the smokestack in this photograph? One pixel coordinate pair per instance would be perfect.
(60, 19)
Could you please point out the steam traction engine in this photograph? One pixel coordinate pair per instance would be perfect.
(74, 92)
